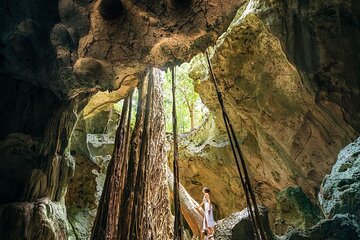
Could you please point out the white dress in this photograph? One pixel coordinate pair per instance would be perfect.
(208, 217)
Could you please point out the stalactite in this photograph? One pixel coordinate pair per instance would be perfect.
(57, 164)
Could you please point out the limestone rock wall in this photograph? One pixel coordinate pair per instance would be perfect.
(204, 162)
(340, 189)
(294, 210)
(18, 220)
(282, 104)
(91, 146)
(338, 199)
(321, 38)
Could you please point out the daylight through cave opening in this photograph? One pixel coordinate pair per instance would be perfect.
(126, 205)
(288, 72)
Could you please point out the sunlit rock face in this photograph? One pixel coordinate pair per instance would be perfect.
(288, 120)
(204, 162)
(321, 38)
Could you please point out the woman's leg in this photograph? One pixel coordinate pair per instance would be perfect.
(205, 230)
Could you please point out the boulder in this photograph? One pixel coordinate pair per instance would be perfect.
(238, 226)
(340, 227)
(340, 190)
(339, 200)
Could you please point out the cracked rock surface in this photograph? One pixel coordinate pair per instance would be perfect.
(288, 120)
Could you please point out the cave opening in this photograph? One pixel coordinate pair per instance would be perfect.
(195, 120)
(192, 115)
(86, 138)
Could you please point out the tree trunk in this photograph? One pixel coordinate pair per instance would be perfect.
(192, 216)
(135, 201)
(130, 206)
(105, 226)
(145, 211)
(158, 215)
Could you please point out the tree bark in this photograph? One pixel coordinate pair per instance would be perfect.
(105, 226)
(192, 216)
(135, 201)
(128, 210)
(157, 193)
(145, 211)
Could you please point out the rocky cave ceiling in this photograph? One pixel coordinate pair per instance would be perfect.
(55, 53)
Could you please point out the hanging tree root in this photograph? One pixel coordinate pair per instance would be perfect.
(240, 163)
(177, 212)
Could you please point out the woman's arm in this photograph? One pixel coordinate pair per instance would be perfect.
(201, 204)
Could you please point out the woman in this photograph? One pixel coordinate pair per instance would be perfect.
(208, 222)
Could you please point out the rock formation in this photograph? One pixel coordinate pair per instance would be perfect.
(204, 162)
(288, 70)
(289, 121)
(339, 193)
(338, 199)
(340, 227)
(55, 54)
(294, 210)
(91, 146)
(239, 226)
(338, 203)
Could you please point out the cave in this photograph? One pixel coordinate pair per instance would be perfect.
(120, 117)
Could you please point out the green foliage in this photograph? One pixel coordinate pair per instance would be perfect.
(188, 103)
(118, 107)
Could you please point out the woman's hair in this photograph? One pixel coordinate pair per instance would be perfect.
(206, 189)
